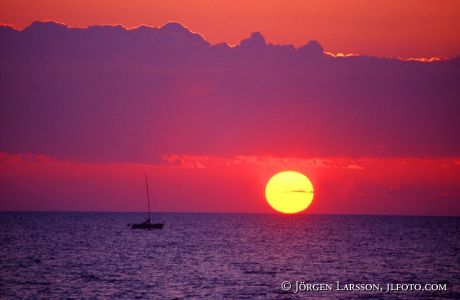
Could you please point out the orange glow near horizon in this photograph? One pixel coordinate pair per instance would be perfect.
(185, 183)
(406, 29)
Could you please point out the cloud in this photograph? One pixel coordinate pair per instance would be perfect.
(298, 191)
(340, 54)
(111, 94)
(23, 158)
(205, 161)
(354, 167)
(424, 59)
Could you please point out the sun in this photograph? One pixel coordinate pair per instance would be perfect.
(289, 192)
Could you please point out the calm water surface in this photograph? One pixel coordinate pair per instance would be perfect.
(219, 256)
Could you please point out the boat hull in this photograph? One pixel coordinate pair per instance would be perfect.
(147, 226)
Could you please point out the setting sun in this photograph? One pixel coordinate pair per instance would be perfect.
(289, 192)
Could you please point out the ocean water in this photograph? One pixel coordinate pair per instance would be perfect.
(227, 256)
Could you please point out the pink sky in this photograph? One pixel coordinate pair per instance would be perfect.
(185, 183)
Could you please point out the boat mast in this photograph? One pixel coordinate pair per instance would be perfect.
(148, 197)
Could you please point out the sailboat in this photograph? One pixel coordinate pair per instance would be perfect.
(147, 224)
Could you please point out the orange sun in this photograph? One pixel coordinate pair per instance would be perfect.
(289, 192)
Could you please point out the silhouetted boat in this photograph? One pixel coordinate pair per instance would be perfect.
(147, 224)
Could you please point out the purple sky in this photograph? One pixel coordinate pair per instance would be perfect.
(110, 95)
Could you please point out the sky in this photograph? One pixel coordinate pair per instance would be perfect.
(390, 28)
(186, 183)
(88, 107)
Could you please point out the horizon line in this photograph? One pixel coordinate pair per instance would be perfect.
(232, 212)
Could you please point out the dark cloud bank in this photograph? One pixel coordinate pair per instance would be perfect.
(109, 94)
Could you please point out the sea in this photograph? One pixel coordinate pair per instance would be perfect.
(50, 255)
